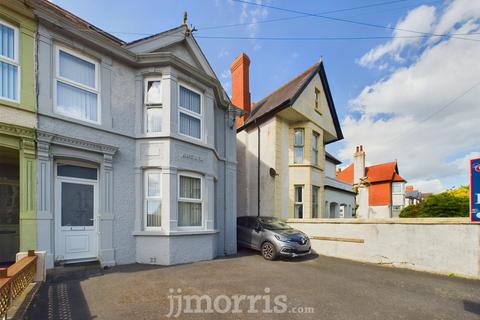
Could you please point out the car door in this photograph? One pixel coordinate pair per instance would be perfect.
(256, 234)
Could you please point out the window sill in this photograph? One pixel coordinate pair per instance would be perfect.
(300, 165)
(174, 233)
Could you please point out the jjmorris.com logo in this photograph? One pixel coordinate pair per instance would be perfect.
(240, 303)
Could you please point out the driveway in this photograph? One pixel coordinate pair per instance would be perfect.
(317, 287)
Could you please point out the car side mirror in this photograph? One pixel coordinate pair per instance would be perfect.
(258, 227)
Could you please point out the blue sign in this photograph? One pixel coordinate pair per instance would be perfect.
(475, 190)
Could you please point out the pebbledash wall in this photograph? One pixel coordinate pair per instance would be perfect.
(118, 146)
(438, 245)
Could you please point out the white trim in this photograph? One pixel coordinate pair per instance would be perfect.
(295, 202)
(156, 105)
(192, 200)
(15, 61)
(146, 172)
(95, 90)
(191, 113)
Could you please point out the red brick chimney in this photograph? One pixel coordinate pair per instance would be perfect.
(241, 86)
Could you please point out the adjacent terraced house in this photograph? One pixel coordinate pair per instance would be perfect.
(17, 130)
(136, 146)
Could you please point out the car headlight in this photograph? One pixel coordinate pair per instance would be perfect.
(282, 238)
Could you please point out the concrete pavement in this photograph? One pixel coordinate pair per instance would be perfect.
(334, 288)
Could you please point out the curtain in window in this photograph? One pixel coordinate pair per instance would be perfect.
(190, 100)
(9, 81)
(76, 102)
(190, 213)
(190, 125)
(154, 216)
(154, 92)
(154, 119)
(153, 200)
(7, 42)
(190, 188)
(76, 69)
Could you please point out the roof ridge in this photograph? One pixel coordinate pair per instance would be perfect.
(308, 70)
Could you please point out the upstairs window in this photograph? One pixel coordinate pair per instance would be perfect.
(153, 105)
(190, 113)
(9, 66)
(77, 89)
(315, 148)
(298, 142)
(397, 187)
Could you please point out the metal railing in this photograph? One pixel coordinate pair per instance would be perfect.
(14, 279)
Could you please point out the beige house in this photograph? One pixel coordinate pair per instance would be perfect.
(281, 144)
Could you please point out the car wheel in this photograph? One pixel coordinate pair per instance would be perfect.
(268, 251)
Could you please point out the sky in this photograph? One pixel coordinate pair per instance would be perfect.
(404, 75)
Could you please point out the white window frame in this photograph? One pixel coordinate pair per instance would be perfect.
(302, 146)
(96, 90)
(190, 200)
(318, 102)
(295, 203)
(16, 58)
(146, 172)
(147, 105)
(400, 184)
(191, 113)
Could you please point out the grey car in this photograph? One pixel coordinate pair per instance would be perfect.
(271, 236)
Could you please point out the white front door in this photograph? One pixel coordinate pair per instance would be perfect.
(76, 212)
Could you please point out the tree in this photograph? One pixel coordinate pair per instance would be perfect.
(452, 203)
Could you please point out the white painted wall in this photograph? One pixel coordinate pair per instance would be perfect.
(445, 246)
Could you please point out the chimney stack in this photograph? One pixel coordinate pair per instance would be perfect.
(241, 86)
(358, 164)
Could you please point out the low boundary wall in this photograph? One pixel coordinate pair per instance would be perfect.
(439, 245)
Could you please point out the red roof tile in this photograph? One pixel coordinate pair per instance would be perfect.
(377, 173)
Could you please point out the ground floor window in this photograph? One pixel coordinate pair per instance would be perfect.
(298, 205)
(153, 199)
(315, 193)
(189, 201)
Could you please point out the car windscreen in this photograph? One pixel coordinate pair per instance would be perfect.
(273, 223)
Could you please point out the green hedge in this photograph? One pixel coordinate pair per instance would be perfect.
(452, 203)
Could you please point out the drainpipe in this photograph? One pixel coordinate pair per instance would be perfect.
(258, 171)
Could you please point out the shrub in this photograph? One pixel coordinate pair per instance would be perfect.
(452, 203)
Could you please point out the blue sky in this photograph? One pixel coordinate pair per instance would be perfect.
(384, 90)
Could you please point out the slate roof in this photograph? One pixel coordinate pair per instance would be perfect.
(286, 95)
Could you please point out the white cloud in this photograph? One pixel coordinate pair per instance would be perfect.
(434, 185)
(419, 19)
(400, 117)
(458, 11)
(223, 53)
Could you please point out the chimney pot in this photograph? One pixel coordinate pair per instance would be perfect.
(358, 149)
(361, 148)
(240, 71)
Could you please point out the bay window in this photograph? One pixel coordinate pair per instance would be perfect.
(152, 199)
(189, 201)
(298, 205)
(190, 113)
(76, 85)
(153, 105)
(9, 62)
(298, 141)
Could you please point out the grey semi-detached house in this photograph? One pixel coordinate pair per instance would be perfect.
(136, 147)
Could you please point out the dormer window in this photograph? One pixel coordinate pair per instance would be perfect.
(153, 105)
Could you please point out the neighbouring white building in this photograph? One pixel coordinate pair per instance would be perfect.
(339, 196)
